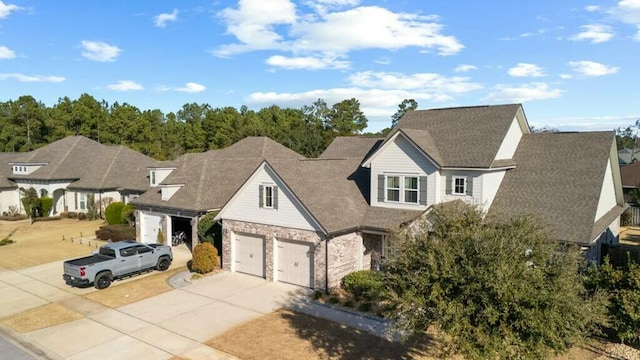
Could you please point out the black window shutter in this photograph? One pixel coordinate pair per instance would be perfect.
(449, 185)
(275, 197)
(469, 181)
(423, 190)
(261, 196)
(380, 188)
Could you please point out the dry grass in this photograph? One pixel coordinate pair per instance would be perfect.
(131, 291)
(42, 242)
(41, 317)
(285, 334)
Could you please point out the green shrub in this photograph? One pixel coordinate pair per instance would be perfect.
(46, 204)
(113, 213)
(205, 258)
(128, 214)
(117, 232)
(349, 303)
(210, 231)
(363, 284)
(6, 241)
(317, 295)
(334, 300)
(92, 209)
(623, 287)
(365, 307)
(82, 216)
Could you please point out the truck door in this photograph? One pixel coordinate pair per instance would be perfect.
(128, 261)
(146, 257)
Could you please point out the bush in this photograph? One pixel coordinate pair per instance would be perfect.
(128, 215)
(13, 217)
(82, 216)
(72, 215)
(117, 232)
(46, 204)
(625, 218)
(113, 213)
(334, 300)
(317, 295)
(363, 284)
(365, 307)
(209, 230)
(623, 286)
(349, 303)
(92, 209)
(205, 258)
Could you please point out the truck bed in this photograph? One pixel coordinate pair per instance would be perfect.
(88, 260)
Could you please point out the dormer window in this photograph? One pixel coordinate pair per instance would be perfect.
(17, 169)
(268, 197)
(153, 178)
(408, 189)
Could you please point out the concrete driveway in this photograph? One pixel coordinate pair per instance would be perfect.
(175, 323)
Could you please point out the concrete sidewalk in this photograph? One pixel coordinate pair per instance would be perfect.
(175, 323)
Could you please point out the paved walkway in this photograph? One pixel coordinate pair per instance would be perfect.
(175, 323)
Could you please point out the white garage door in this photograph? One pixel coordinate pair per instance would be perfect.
(294, 263)
(150, 226)
(250, 254)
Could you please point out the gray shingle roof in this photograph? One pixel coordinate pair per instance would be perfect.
(558, 178)
(95, 166)
(460, 137)
(351, 147)
(6, 170)
(630, 175)
(210, 179)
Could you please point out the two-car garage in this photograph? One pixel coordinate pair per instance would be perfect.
(293, 260)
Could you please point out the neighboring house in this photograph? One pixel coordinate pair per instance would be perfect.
(312, 221)
(70, 169)
(628, 156)
(630, 179)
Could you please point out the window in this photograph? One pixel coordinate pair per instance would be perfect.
(141, 249)
(82, 201)
(402, 189)
(43, 193)
(411, 189)
(130, 251)
(268, 196)
(393, 188)
(153, 178)
(459, 185)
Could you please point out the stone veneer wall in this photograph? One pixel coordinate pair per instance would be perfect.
(345, 256)
(270, 233)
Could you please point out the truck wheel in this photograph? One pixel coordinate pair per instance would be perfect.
(163, 264)
(102, 281)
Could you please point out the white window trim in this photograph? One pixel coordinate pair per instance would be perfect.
(82, 201)
(265, 203)
(464, 185)
(401, 188)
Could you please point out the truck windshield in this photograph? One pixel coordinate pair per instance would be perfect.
(107, 252)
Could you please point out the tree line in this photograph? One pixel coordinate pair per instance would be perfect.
(27, 124)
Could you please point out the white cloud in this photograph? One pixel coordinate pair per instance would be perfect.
(627, 11)
(99, 51)
(431, 82)
(276, 25)
(595, 33)
(7, 9)
(125, 85)
(592, 8)
(526, 70)
(162, 19)
(308, 62)
(523, 93)
(6, 53)
(191, 87)
(592, 68)
(591, 123)
(31, 78)
(465, 68)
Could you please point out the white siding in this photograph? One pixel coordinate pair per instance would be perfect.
(161, 174)
(168, 191)
(401, 157)
(245, 205)
(490, 184)
(8, 197)
(474, 178)
(607, 194)
(510, 141)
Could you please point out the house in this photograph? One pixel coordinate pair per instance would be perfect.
(630, 175)
(628, 156)
(312, 221)
(70, 169)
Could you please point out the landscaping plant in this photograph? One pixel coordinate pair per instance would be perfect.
(495, 288)
(205, 258)
(113, 213)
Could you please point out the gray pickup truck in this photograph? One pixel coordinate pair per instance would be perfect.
(114, 261)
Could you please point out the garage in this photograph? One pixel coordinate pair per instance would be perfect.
(249, 254)
(294, 263)
(150, 225)
(181, 231)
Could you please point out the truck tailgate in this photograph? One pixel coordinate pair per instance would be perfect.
(71, 270)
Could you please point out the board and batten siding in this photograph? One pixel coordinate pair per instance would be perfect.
(245, 205)
(510, 142)
(400, 157)
(474, 179)
(607, 194)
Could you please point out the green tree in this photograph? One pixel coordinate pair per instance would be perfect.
(497, 288)
(405, 105)
(346, 118)
(30, 202)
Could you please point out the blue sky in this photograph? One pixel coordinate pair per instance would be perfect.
(573, 64)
